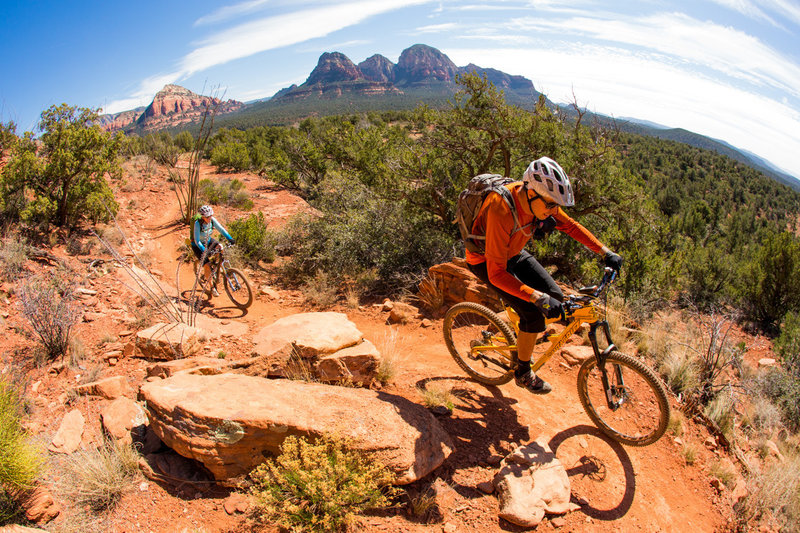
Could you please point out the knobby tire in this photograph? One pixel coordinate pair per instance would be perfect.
(643, 418)
(469, 323)
(243, 297)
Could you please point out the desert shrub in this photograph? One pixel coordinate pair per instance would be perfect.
(253, 239)
(680, 371)
(774, 495)
(230, 157)
(361, 232)
(689, 452)
(787, 345)
(783, 390)
(8, 135)
(13, 253)
(320, 291)
(20, 459)
(226, 192)
(437, 396)
(51, 313)
(318, 486)
(390, 357)
(721, 410)
(98, 478)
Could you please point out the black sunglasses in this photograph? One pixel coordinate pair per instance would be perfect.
(548, 205)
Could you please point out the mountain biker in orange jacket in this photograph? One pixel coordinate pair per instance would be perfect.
(519, 278)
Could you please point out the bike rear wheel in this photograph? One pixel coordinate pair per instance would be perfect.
(238, 288)
(642, 411)
(478, 340)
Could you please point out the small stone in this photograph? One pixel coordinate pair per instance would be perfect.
(143, 486)
(766, 362)
(558, 522)
(449, 527)
(426, 323)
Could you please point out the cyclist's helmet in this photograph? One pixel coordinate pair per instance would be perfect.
(546, 178)
(206, 211)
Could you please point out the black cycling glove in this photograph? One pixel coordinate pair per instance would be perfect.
(550, 307)
(613, 260)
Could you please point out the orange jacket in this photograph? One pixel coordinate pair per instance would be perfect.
(496, 221)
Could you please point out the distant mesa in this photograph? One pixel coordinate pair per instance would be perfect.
(421, 71)
(419, 67)
(173, 105)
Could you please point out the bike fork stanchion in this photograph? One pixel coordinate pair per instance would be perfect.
(601, 360)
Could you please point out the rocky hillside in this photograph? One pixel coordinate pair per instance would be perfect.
(172, 106)
(419, 67)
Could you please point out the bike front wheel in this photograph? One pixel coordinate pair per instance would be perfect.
(639, 412)
(482, 344)
(238, 288)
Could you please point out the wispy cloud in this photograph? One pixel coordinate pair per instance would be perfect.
(748, 9)
(265, 34)
(686, 40)
(229, 12)
(437, 28)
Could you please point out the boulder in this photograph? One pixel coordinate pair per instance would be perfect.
(293, 345)
(69, 434)
(230, 422)
(532, 482)
(356, 364)
(403, 313)
(575, 355)
(124, 420)
(458, 284)
(168, 341)
(38, 503)
(109, 388)
(166, 369)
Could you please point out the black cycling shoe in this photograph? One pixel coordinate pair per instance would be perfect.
(533, 383)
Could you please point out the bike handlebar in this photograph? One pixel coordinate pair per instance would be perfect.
(576, 302)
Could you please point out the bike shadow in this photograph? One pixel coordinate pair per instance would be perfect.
(484, 427)
(203, 305)
(590, 470)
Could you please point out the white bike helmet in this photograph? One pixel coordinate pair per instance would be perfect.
(548, 179)
(206, 211)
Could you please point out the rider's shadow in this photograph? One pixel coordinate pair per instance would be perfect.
(603, 480)
(486, 426)
(202, 305)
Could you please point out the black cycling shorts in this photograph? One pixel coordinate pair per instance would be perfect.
(527, 269)
(198, 253)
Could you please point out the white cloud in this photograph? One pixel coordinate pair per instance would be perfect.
(437, 28)
(720, 48)
(748, 9)
(622, 83)
(229, 12)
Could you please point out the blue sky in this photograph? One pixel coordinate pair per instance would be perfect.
(729, 69)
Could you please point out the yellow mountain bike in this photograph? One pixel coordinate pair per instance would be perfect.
(622, 396)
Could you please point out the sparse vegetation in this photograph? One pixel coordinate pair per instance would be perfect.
(318, 486)
(434, 395)
(253, 240)
(21, 460)
(98, 478)
(51, 314)
(227, 191)
(13, 254)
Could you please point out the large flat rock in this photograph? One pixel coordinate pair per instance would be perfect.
(231, 422)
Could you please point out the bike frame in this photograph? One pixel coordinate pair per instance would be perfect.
(589, 314)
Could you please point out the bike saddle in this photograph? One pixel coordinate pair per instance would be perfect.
(588, 291)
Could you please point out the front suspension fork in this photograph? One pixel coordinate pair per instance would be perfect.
(601, 357)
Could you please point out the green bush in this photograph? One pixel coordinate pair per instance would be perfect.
(20, 460)
(362, 237)
(318, 486)
(230, 157)
(787, 345)
(253, 239)
(227, 192)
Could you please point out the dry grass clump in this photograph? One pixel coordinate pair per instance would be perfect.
(774, 495)
(435, 396)
(320, 291)
(390, 357)
(318, 486)
(13, 254)
(98, 478)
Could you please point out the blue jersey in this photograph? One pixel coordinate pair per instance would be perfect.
(201, 232)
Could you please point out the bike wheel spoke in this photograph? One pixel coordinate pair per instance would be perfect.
(639, 410)
(478, 340)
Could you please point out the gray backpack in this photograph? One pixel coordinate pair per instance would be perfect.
(469, 204)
